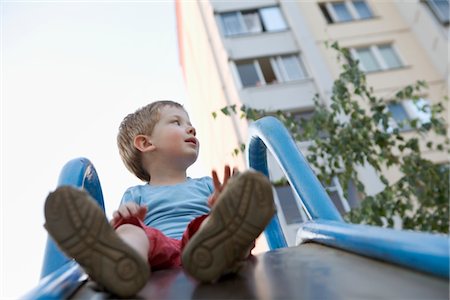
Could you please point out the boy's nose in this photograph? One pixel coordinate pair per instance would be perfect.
(191, 130)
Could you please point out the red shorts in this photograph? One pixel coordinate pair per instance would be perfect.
(165, 252)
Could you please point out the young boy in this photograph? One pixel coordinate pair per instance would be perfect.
(166, 222)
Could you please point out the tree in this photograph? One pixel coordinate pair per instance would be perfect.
(355, 130)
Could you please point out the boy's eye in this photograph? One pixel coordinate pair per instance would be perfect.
(176, 122)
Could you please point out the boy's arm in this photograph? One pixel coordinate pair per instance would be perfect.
(218, 186)
(128, 209)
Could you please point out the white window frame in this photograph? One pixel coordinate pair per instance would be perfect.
(412, 111)
(225, 28)
(290, 230)
(374, 50)
(244, 25)
(259, 20)
(284, 74)
(277, 68)
(353, 8)
(265, 21)
(393, 123)
(336, 187)
(334, 16)
(259, 72)
(437, 12)
(350, 8)
(355, 54)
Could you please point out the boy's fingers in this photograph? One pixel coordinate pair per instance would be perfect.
(211, 200)
(127, 210)
(114, 219)
(123, 211)
(132, 210)
(235, 171)
(216, 182)
(141, 212)
(226, 174)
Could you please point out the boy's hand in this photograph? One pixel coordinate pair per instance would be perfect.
(127, 210)
(218, 186)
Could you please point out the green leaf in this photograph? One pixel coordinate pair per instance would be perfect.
(225, 111)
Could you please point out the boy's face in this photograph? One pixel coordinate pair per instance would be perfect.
(174, 136)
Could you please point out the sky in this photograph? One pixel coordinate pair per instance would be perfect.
(70, 72)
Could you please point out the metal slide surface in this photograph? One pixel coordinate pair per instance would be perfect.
(308, 271)
(333, 260)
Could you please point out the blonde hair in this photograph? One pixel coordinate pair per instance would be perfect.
(142, 121)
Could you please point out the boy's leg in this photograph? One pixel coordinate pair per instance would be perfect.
(136, 238)
(241, 213)
(163, 252)
(81, 230)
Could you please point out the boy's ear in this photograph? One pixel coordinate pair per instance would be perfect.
(143, 143)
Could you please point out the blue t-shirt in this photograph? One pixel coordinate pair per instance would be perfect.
(170, 208)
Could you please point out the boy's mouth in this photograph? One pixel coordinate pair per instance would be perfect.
(192, 141)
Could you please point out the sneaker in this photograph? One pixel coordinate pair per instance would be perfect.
(80, 229)
(225, 238)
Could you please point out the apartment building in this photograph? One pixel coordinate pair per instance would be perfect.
(272, 55)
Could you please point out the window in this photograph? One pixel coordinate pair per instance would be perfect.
(419, 109)
(269, 70)
(290, 67)
(444, 168)
(336, 194)
(399, 117)
(389, 57)
(249, 72)
(403, 112)
(367, 60)
(265, 19)
(294, 214)
(289, 205)
(345, 11)
(440, 9)
(362, 9)
(377, 58)
(272, 19)
(340, 12)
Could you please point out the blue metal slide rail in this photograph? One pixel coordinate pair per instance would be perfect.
(417, 250)
(61, 276)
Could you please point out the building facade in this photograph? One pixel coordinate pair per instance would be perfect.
(273, 55)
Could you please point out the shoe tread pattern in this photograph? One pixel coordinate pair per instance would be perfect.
(80, 229)
(241, 213)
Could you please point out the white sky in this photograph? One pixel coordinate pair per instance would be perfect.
(70, 72)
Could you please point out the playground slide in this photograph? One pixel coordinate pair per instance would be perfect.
(332, 259)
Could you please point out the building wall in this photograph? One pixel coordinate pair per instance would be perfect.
(430, 33)
(209, 62)
(209, 86)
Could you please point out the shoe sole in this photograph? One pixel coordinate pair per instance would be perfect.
(80, 229)
(242, 212)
